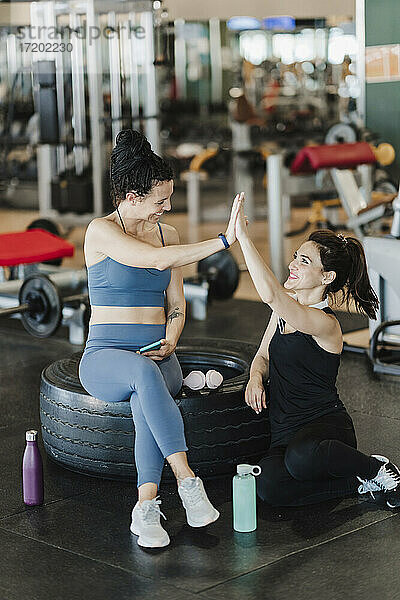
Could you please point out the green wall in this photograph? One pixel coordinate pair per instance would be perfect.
(382, 26)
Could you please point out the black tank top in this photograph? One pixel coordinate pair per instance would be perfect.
(302, 383)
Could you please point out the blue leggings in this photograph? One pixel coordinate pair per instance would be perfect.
(113, 375)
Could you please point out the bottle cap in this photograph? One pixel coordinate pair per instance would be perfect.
(248, 469)
(31, 435)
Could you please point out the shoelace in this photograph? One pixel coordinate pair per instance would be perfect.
(385, 480)
(368, 486)
(194, 494)
(151, 512)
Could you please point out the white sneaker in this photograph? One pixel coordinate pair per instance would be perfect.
(199, 510)
(146, 524)
(387, 480)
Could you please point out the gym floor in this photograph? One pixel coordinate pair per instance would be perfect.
(78, 545)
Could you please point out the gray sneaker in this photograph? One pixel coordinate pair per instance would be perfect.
(199, 510)
(146, 524)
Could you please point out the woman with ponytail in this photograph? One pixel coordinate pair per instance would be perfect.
(133, 266)
(313, 454)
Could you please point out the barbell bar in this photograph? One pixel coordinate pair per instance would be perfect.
(41, 305)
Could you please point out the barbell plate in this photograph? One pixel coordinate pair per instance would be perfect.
(222, 273)
(41, 290)
(341, 133)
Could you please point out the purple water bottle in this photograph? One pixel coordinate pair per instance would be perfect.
(32, 471)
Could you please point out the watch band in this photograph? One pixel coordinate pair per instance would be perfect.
(224, 240)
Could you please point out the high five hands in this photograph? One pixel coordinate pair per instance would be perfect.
(241, 220)
(238, 230)
(237, 226)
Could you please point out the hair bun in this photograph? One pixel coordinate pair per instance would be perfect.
(134, 141)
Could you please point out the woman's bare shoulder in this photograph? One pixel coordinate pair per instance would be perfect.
(95, 232)
(100, 224)
(171, 236)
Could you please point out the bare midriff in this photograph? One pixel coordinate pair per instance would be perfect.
(143, 315)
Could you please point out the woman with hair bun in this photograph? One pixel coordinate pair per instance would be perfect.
(313, 454)
(132, 262)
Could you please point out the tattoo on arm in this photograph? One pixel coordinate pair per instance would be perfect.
(175, 313)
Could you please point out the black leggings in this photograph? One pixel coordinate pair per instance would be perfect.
(320, 462)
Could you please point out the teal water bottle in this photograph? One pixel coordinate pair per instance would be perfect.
(244, 498)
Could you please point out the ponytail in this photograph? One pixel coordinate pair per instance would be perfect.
(346, 257)
(358, 285)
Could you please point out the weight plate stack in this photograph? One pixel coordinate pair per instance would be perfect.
(91, 436)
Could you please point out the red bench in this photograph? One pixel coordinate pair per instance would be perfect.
(335, 156)
(32, 246)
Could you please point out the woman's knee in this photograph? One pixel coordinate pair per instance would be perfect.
(299, 455)
(269, 485)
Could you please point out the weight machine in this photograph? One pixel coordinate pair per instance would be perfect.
(383, 257)
(111, 58)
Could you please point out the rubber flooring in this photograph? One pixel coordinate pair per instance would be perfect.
(78, 545)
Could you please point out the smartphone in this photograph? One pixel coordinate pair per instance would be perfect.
(153, 346)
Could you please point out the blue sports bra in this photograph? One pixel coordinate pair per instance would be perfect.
(112, 283)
